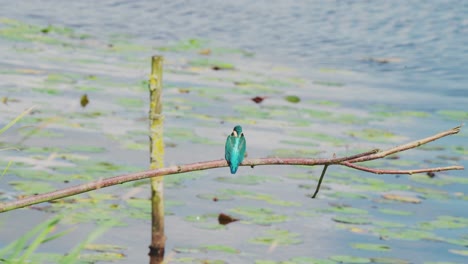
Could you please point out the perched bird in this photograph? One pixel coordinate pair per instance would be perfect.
(235, 148)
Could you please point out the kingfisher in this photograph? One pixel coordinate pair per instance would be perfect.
(235, 148)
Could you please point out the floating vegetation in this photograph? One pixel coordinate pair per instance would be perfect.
(31, 187)
(336, 208)
(278, 237)
(292, 99)
(215, 65)
(220, 248)
(350, 259)
(353, 220)
(327, 83)
(260, 216)
(406, 234)
(455, 115)
(131, 102)
(375, 135)
(371, 247)
(445, 222)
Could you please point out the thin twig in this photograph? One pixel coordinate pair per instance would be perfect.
(407, 146)
(320, 181)
(304, 161)
(379, 171)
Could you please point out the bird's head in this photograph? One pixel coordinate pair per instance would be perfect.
(237, 131)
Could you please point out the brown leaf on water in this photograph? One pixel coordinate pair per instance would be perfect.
(84, 101)
(225, 219)
(258, 99)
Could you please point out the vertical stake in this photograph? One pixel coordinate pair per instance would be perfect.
(158, 239)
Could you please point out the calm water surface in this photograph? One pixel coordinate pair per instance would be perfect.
(429, 39)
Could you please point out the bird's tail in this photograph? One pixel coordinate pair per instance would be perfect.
(233, 168)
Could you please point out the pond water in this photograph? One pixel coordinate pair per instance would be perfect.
(367, 75)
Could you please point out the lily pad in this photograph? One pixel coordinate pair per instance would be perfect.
(215, 197)
(86, 148)
(371, 247)
(445, 221)
(220, 248)
(292, 99)
(318, 114)
(278, 237)
(230, 193)
(461, 150)
(32, 187)
(61, 78)
(325, 103)
(347, 195)
(375, 135)
(186, 45)
(186, 250)
(104, 247)
(328, 83)
(388, 224)
(406, 234)
(456, 115)
(261, 216)
(353, 220)
(345, 210)
(214, 64)
(201, 218)
(350, 259)
(131, 102)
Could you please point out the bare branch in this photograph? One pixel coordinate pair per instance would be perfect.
(407, 146)
(344, 161)
(303, 161)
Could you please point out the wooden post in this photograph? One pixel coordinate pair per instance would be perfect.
(158, 239)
